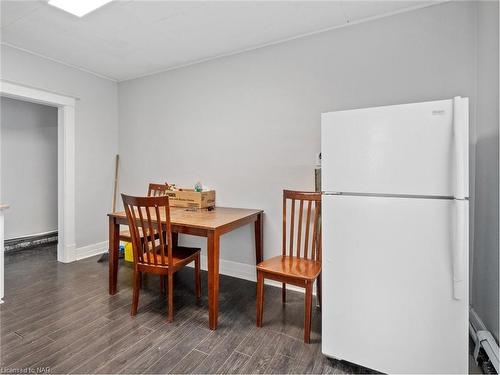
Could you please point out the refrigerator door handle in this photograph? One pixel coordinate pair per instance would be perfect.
(460, 246)
(461, 145)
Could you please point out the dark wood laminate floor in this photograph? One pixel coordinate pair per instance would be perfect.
(60, 317)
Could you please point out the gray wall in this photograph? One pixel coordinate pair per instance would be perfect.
(249, 125)
(96, 132)
(485, 260)
(29, 167)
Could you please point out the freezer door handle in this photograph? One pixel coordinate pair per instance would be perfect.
(460, 246)
(461, 146)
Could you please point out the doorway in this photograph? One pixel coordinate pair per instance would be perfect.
(65, 165)
(29, 173)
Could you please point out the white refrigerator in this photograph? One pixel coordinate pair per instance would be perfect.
(395, 214)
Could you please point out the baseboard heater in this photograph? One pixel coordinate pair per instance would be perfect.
(486, 351)
(27, 242)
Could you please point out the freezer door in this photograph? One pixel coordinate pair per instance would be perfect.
(394, 283)
(411, 149)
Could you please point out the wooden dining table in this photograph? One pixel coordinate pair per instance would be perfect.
(210, 224)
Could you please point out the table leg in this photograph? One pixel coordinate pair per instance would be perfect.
(114, 242)
(213, 242)
(259, 241)
(175, 239)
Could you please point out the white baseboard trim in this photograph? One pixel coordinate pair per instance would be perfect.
(226, 267)
(230, 268)
(246, 272)
(91, 250)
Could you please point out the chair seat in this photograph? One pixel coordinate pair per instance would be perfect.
(180, 255)
(300, 268)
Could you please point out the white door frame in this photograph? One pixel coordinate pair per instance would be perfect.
(66, 247)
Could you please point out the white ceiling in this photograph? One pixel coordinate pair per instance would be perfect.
(128, 39)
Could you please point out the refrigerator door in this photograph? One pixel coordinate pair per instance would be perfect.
(394, 283)
(410, 149)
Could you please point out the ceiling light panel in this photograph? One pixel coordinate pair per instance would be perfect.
(78, 8)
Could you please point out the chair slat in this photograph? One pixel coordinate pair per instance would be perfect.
(292, 222)
(315, 231)
(134, 231)
(160, 235)
(150, 236)
(308, 226)
(284, 226)
(299, 229)
(144, 245)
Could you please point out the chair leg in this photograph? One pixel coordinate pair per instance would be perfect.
(307, 312)
(318, 291)
(170, 296)
(135, 294)
(260, 298)
(197, 277)
(283, 292)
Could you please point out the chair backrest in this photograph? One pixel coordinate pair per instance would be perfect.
(303, 210)
(157, 190)
(151, 215)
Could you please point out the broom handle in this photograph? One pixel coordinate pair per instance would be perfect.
(117, 162)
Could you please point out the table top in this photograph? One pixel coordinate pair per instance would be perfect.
(204, 219)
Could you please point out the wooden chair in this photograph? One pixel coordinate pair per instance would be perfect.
(157, 190)
(156, 253)
(300, 262)
(154, 190)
